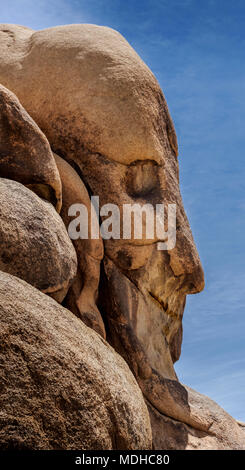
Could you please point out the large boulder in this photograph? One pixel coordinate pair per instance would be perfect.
(62, 385)
(86, 88)
(35, 245)
(25, 153)
(82, 296)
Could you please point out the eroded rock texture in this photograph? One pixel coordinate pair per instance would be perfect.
(224, 434)
(82, 296)
(34, 244)
(25, 153)
(107, 115)
(62, 385)
(102, 111)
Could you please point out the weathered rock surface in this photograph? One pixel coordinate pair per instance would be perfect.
(103, 110)
(82, 296)
(34, 244)
(224, 434)
(99, 99)
(25, 153)
(106, 112)
(62, 385)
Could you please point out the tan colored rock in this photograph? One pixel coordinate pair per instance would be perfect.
(100, 97)
(25, 154)
(225, 433)
(103, 110)
(62, 385)
(106, 113)
(82, 296)
(34, 242)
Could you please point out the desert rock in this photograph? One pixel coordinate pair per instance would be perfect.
(100, 98)
(62, 385)
(82, 295)
(224, 434)
(35, 245)
(25, 153)
(103, 111)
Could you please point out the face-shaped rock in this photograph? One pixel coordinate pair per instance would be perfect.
(101, 107)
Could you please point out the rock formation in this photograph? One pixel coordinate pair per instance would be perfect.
(82, 295)
(25, 152)
(62, 385)
(34, 243)
(102, 112)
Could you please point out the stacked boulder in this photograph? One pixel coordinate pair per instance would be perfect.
(62, 385)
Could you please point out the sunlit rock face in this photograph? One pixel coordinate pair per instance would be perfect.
(25, 152)
(102, 111)
(34, 245)
(62, 386)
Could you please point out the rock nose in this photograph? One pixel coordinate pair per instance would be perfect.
(185, 263)
(194, 282)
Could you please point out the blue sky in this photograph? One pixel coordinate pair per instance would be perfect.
(196, 50)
